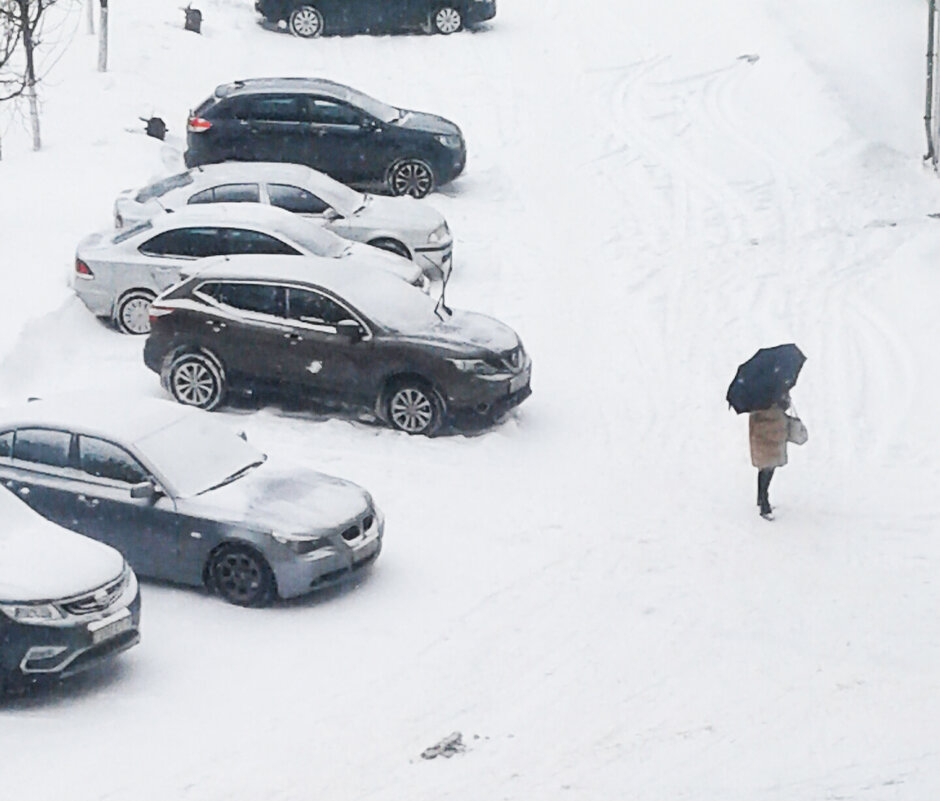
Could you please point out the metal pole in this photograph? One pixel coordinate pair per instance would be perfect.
(103, 38)
(928, 116)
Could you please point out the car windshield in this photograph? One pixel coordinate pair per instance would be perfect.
(313, 237)
(127, 233)
(164, 185)
(196, 454)
(370, 105)
(345, 200)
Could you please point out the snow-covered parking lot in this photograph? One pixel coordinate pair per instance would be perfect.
(584, 591)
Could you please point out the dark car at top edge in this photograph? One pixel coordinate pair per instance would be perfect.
(330, 127)
(311, 18)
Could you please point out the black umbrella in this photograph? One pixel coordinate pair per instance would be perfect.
(765, 378)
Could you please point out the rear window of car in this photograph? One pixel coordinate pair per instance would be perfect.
(42, 446)
(127, 233)
(161, 187)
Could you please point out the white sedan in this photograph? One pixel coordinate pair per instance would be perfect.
(403, 225)
(118, 274)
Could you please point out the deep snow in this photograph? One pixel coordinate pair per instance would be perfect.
(653, 192)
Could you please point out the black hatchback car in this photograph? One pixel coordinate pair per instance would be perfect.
(310, 18)
(330, 127)
(306, 327)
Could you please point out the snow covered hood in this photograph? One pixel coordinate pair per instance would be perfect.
(41, 561)
(276, 496)
(421, 121)
(396, 213)
(466, 329)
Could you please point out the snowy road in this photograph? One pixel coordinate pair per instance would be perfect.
(585, 591)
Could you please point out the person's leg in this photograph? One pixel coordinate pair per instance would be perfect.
(763, 486)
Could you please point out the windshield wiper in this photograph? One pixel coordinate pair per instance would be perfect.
(235, 476)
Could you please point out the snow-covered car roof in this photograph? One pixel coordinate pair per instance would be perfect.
(208, 175)
(255, 171)
(375, 292)
(124, 421)
(320, 86)
(257, 215)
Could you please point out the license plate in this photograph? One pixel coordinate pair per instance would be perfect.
(102, 630)
(518, 382)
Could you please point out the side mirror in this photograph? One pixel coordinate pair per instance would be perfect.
(144, 491)
(350, 330)
(369, 124)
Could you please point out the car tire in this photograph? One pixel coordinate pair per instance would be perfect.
(241, 576)
(412, 406)
(446, 20)
(194, 379)
(132, 313)
(411, 176)
(306, 22)
(392, 246)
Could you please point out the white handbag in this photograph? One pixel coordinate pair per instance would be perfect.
(796, 431)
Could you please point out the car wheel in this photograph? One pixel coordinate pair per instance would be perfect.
(411, 177)
(132, 315)
(194, 379)
(306, 22)
(413, 407)
(392, 246)
(446, 20)
(242, 576)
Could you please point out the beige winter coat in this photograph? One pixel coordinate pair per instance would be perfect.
(768, 429)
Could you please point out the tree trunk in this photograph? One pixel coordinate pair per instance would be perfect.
(27, 29)
(90, 6)
(103, 39)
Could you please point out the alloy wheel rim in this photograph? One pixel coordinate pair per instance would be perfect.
(239, 576)
(136, 315)
(307, 22)
(412, 178)
(447, 20)
(193, 384)
(411, 410)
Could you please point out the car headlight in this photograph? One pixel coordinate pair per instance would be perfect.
(449, 140)
(474, 366)
(300, 543)
(31, 613)
(439, 234)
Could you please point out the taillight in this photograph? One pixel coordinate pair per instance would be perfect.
(158, 311)
(197, 125)
(83, 269)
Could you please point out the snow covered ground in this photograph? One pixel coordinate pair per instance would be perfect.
(585, 592)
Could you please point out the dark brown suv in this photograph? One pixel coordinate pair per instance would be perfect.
(357, 337)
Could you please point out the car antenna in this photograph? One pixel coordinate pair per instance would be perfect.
(440, 301)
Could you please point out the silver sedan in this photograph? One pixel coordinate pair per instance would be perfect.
(117, 274)
(403, 225)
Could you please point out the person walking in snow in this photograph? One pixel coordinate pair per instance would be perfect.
(768, 430)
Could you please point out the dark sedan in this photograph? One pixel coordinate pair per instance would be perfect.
(185, 499)
(311, 18)
(337, 130)
(303, 326)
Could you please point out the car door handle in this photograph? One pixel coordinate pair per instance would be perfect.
(293, 338)
(217, 325)
(89, 502)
